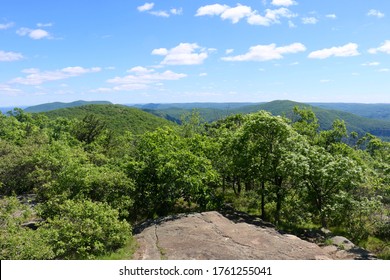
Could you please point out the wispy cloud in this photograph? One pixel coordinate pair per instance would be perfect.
(7, 25)
(148, 7)
(49, 24)
(183, 54)
(8, 90)
(10, 56)
(375, 13)
(141, 78)
(350, 49)
(374, 63)
(159, 13)
(266, 52)
(309, 20)
(35, 34)
(37, 77)
(331, 16)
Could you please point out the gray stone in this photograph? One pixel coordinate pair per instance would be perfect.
(211, 236)
(342, 242)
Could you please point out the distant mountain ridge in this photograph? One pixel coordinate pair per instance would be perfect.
(380, 111)
(60, 105)
(362, 125)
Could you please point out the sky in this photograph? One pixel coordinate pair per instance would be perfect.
(131, 51)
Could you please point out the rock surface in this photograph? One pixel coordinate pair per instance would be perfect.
(213, 236)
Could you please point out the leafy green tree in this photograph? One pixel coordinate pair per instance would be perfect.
(267, 141)
(89, 128)
(327, 176)
(166, 170)
(305, 122)
(329, 137)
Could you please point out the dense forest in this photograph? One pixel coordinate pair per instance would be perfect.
(74, 186)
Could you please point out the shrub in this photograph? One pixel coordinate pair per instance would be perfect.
(85, 229)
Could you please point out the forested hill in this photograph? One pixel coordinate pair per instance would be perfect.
(59, 105)
(326, 117)
(379, 111)
(116, 117)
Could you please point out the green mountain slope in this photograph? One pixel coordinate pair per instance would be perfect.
(118, 118)
(372, 111)
(194, 105)
(59, 105)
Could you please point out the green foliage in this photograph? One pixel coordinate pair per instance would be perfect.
(166, 170)
(88, 129)
(93, 166)
(18, 242)
(84, 229)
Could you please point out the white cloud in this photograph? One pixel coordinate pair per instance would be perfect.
(283, 2)
(229, 51)
(266, 52)
(291, 24)
(332, 16)
(159, 13)
(35, 34)
(202, 74)
(324, 81)
(145, 7)
(183, 54)
(309, 20)
(211, 10)
(349, 49)
(140, 69)
(49, 24)
(10, 56)
(270, 17)
(176, 11)
(375, 13)
(374, 63)
(141, 78)
(384, 70)
(385, 47)
(4, 26)
(4, 88)
(160, 51)
(36, 77)
(239, 12)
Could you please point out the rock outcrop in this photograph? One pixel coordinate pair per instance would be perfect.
(211, 235)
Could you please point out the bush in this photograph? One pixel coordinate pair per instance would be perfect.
(85, 229)
(17, 242)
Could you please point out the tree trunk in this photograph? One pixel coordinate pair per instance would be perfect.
(263, 215)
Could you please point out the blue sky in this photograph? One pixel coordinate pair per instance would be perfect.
(130, 51)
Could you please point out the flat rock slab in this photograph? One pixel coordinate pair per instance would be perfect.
(211, 236)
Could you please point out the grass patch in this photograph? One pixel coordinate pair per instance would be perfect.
(124, 253)
(377, 246)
